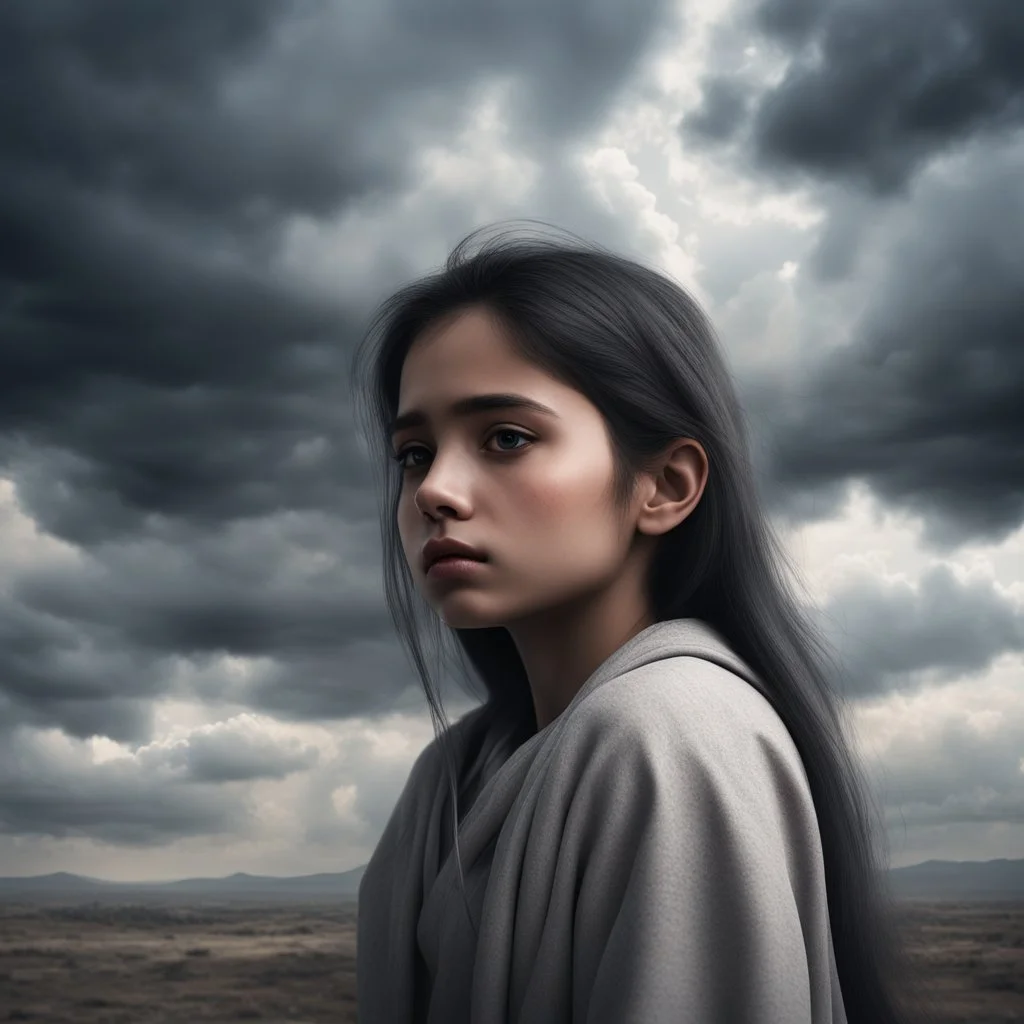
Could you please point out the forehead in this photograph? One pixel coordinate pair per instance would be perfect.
(465, 354)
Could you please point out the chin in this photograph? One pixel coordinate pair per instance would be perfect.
(464, 619)
(459, 613)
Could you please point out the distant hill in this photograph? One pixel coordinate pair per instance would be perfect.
(239, 887)
(934, 880)
(968, 880)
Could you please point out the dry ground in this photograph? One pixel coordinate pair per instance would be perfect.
(974, 955)
(157, 965)
(109, 964)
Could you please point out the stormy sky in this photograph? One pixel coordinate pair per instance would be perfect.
(201, 205)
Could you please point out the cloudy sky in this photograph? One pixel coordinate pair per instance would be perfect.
(200, 206)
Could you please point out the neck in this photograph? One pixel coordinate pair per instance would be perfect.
(562, 647)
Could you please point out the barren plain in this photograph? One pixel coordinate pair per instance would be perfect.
(133, 964)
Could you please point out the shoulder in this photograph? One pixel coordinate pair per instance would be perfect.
(683, 755)
(697, 698)
(686, 712)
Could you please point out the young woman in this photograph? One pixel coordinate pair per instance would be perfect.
(654, 815)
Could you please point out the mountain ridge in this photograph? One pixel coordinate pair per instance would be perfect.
(941, 880)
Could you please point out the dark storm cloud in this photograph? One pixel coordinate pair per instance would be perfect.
(55, 672)
(874, 89)
(891, 635)
(879, 87)
(164, 791)
(925, 403)
(224, 754)
(286, 588)
(167, 401)
(149, 163)
(63, 794)
(87, 645)
(723, 109)
(791, 20)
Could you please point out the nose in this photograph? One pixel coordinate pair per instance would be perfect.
(441, 489)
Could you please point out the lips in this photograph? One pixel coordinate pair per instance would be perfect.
(448, 547)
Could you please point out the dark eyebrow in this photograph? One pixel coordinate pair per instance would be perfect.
(469, 406)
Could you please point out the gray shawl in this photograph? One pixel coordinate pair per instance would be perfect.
(650, 856)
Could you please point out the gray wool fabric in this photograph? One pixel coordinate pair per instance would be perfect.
(650, 856)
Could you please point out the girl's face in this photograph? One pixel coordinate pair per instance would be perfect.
(527, 488)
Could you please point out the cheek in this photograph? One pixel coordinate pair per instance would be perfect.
(562, 507)
(566, 489)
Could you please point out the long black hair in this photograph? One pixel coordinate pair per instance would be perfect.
(642, 351)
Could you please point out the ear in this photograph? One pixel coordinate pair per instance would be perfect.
(673, 488)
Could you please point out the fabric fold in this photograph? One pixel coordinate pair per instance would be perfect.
(651, 855)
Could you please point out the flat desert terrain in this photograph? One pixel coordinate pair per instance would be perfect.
(153, 964)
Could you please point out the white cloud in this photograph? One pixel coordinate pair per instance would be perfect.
(23, 544)
(947, 752)
(324, 814)
(474, 178)
(614, 178)
(869, 539)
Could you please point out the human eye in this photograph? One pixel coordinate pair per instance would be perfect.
(401, 456)
(515, 433)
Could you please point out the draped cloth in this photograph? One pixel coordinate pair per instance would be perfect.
(652, 855)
